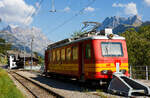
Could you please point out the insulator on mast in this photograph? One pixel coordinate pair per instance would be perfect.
(53, 6)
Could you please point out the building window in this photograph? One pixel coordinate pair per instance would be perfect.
(68, 53)
(88, 51)
(75, 53)
(54, 56)
(63, 54)
(58, 55)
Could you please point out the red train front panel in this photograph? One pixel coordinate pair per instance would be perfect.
(101, 57)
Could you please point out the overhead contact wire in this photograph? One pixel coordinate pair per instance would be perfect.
(68, 20)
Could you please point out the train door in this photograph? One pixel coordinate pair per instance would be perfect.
(81, 62)
(82, 55)
(46, 60)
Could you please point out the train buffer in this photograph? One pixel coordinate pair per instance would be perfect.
(126, 86)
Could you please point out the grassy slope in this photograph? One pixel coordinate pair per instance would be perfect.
(7, 87)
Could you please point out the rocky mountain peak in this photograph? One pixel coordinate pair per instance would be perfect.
(20, 35)
(115, 21)
(135, 20)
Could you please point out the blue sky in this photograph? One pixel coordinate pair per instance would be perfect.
(55, 25)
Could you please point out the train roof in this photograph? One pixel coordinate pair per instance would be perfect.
(74, 40)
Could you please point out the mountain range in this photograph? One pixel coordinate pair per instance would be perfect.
(22, 37)
(120, 24)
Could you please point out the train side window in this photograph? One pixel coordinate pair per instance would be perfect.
(49, 56)
(63, 54)
(88, 51)
(75, 53)
(54, 56)
(68, 53)
(58, 55)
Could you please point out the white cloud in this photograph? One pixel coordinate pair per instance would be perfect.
(15, 11)
(147, 2)
(118, 5)
(129, 9)
(89, 9)
(1, 4)
(37, 4)
(66, 9)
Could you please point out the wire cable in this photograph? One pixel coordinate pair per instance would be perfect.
(68, 20)
(33, 13)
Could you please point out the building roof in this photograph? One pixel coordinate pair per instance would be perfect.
(20, 54)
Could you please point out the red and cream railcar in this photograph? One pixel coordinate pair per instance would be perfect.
(88, 58)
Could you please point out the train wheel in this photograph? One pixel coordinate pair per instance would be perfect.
(82, 78)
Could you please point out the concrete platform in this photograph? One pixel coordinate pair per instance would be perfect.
(146, 82)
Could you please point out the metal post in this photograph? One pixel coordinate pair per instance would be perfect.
(146, 73)
(53, 7)
(31, 54)
(24, 56)
(117, 67)
(130, 71)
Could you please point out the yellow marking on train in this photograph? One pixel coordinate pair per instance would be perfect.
(63, 67)
(100, 69)
(101, 65)
(87, 67)
(104, 66)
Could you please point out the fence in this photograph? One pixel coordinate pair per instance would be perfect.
(140, 72)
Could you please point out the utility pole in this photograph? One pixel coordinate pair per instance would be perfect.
(31, 53)
(0, 20)
(24, 56)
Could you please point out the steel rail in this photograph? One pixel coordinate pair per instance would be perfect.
(40, 86)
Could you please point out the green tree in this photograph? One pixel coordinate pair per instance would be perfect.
(4, 46)
(40, 59)
(131, 38)
(138, 45)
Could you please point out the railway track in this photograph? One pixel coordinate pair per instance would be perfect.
(51, 94)
(35, 89)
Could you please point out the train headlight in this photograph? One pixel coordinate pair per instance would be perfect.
(110, 36)
(104, 72)
(123, 71)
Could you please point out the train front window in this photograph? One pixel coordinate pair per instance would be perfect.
(110, 49)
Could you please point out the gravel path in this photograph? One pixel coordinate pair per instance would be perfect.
(21, 88)
(72, 91)
(36, 90)
(64, 89)
(146, 82)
